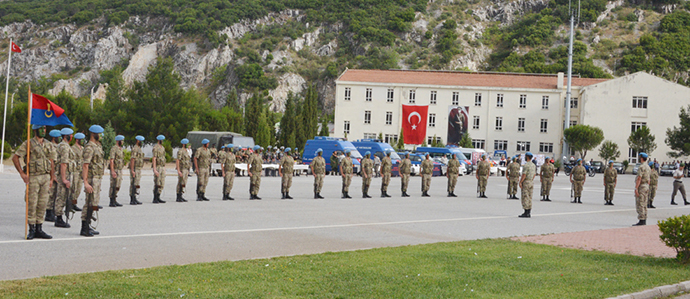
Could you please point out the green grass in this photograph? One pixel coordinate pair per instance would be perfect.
(468, 269)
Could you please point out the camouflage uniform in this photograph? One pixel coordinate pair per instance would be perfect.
(386, 168)
(40, 171)
(452, 173)
(529, 170)
(93, 156)
(159, 180)
(203, 160)
(579, 173)
(546, 177)
(405, 168)
(228, 161)
(214, 154)
(319, 170)
(643, 174)
(77, 181)
(51, 147)
(255, 167)
(368, 169)
(427, 171)
(610, 177)
(653, 183)
(118, 157)
(135, 176)
(346, 172)
(513, 173)
(483, 170)
(65, 156)
(287, 165)
(185, 162)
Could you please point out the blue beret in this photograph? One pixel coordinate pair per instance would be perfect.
(578, 160)
(66, 131)
(610, 161)
(160, 137)
(140, 138)
(287, 150)
(347, 151)
(367, 153)
(79, 136)
(548, 158)
(529, 154)
(426, 154)
(407, 154)
(34, 127)
(644, 155)
(55, 133)
(96, 129)
(184, 141)
(119, 138)
(256, 147)
(319, 151)
(229, 145)
(205, 141)
(222, 146)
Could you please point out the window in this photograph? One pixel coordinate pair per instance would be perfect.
(544, 125)
(545, 147)
(430, 140)
(367, 117)
(475, 123)
(348, 93)
(545, 102)
(367, 95)
(521, 124)
(632, 155)
(389, 97)
(499, 123)
(500, 145)
(573, 103)
(369, 136)
(636, 125)
(523, 101)
(640, 102)
(523, 146)
(456, 99)
(432, 119)
(389, 118)
(499, 100)
(573, 122)
(412, 96)
(346, 128)
(390, 138)
(477, 99)
(478, 143)
(432, 98)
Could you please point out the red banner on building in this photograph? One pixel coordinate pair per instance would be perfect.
(414, 123)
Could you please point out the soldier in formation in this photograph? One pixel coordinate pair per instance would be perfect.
(335, 163)
(367, 173)
(483, 172)
(255, 166)
(182, 164)
(93, 169)
(66, 166)
(318, 168)
(546, 176)
(642, 189)
(77, 183)
(529, 170)
(346, 172)
(513, 176)
(202, 164)
(452, 174)
(52, 191)
(427, 171)
(228, 166)
(158, 161)
(610, 181)
(117, 161)
(653, 184)
(405, 169)
(285, 170)
(577, 178)
(386, 169)
(136, 163)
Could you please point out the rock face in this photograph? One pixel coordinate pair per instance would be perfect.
(289, 82)
(507, 11)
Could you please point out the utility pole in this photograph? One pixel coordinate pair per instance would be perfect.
(568, 93)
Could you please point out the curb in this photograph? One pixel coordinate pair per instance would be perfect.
(658, 292)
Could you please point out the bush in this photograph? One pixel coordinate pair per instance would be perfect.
(8, 151)
(675, 232)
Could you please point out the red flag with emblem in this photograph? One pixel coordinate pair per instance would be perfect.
(16, 48)
(414, 123)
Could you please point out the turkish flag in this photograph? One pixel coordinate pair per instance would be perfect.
(414, 123)
(16, 48)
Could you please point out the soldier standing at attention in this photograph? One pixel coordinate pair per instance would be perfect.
(405, 169)
(653, 183)
(136, 162)
(642, 190)
(285, 170)
(427, 171)
(255, 166)
(529, 170)
(77, 183)
(214, 153)
(202, 163)
(386, 168)
(346, 173)
(546, 176)
(452, 174)
(610, 181)
(182, 164)
(334, 164)
(483, 172)
(41, 172)
(92, 174)
(578, 177)
(117, 161)
(367, 173)
(513, 176)
(318, 168)
(228, 167)
(65, 168)
(52, 191)
(158, 169)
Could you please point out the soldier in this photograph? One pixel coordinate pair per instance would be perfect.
(182, 164)
(158, 169)
(367, 173)
(77, 183)
(483, 172)
(66, 166)
(202, 163)
(610, 181)
(136, 162)
(52, 191)
(452, 174)
(334, 164)
(577, 178)
(427, 171)
(228, 168)
(38, 180)
(214, 153)
(117, 161)
(546, 176)
(346, 173)
(255, 166)
(642, 190)
(653, 183)
(405, 169)
(386, 168)
(529, 170)
(318, 168)
(285, 170)
(92, 173)
(513, 176)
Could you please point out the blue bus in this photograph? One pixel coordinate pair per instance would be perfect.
(330, 145)
(378, 148)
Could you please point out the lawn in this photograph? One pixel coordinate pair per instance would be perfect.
(497, 268)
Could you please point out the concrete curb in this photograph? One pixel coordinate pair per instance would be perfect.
(658, 292)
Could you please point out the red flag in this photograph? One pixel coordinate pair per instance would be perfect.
(16, 48)
(414, 123)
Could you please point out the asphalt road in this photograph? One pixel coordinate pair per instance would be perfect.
(181, 233)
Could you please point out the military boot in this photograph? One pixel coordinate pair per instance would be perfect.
(283, 195)
(32, 232)
(133, 200)
(579, 200)
(50, 216)
(179, 198)
(425, 194)
(386, 194)
(61, 223)
(640, 223)
(287, 195)
(203, 196)
(85, 230)
(318, 195)
(76, 208)
(651, 206)
(547, 198)
(255, 197)
(40, 234)
(526, 214)
(113, 198)
(673, 202)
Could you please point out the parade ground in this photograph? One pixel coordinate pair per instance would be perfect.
(174, 233)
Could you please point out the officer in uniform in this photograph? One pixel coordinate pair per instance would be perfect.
(117, 161)
(452, 174)
(529, 170)
(77, 184)
(182, 164)
(483, 172)
(642, 189)
(610, 181)
(136, 162)
(228, 167)
(653, 183)
(285, 170)
(255, 166)
(214, 153)
(158, 169)
(202, 163)
(66, 166)
(52, 191)
(92, 174)
(367, 173)
(38, 180)
(546, 176)
(427, 171)
(513, 176)
(318, 168)
(386, 168)
(405, 169)
(346, 172)
(577, 178)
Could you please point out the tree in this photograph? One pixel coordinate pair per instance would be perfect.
(288, 123)
(582, 138)
(324, 127)
(678, 138)
(609, 151)
(308, 116)
(108, 139)
(232, 101)
(466, 141)
(642, 140)
(380, 136)
(252, 114)
(401, 141)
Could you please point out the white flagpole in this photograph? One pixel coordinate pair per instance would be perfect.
(4, 117)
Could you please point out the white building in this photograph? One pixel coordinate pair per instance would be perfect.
(512, 112)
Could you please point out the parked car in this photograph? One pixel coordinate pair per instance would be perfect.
(598, 166)
(667, 169)
(619, 167)
(637, 165)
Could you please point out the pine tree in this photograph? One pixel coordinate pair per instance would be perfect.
(288, 122)
(263, 130)
(252, 114)
(232, 101)
(324, 127)
(401, 141)
(309, 115)
(380, 136)
(466, 141)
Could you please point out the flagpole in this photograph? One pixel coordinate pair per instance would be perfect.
(4, 116)
(28, 159)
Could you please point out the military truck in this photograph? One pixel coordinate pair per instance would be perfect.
(218, 138)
